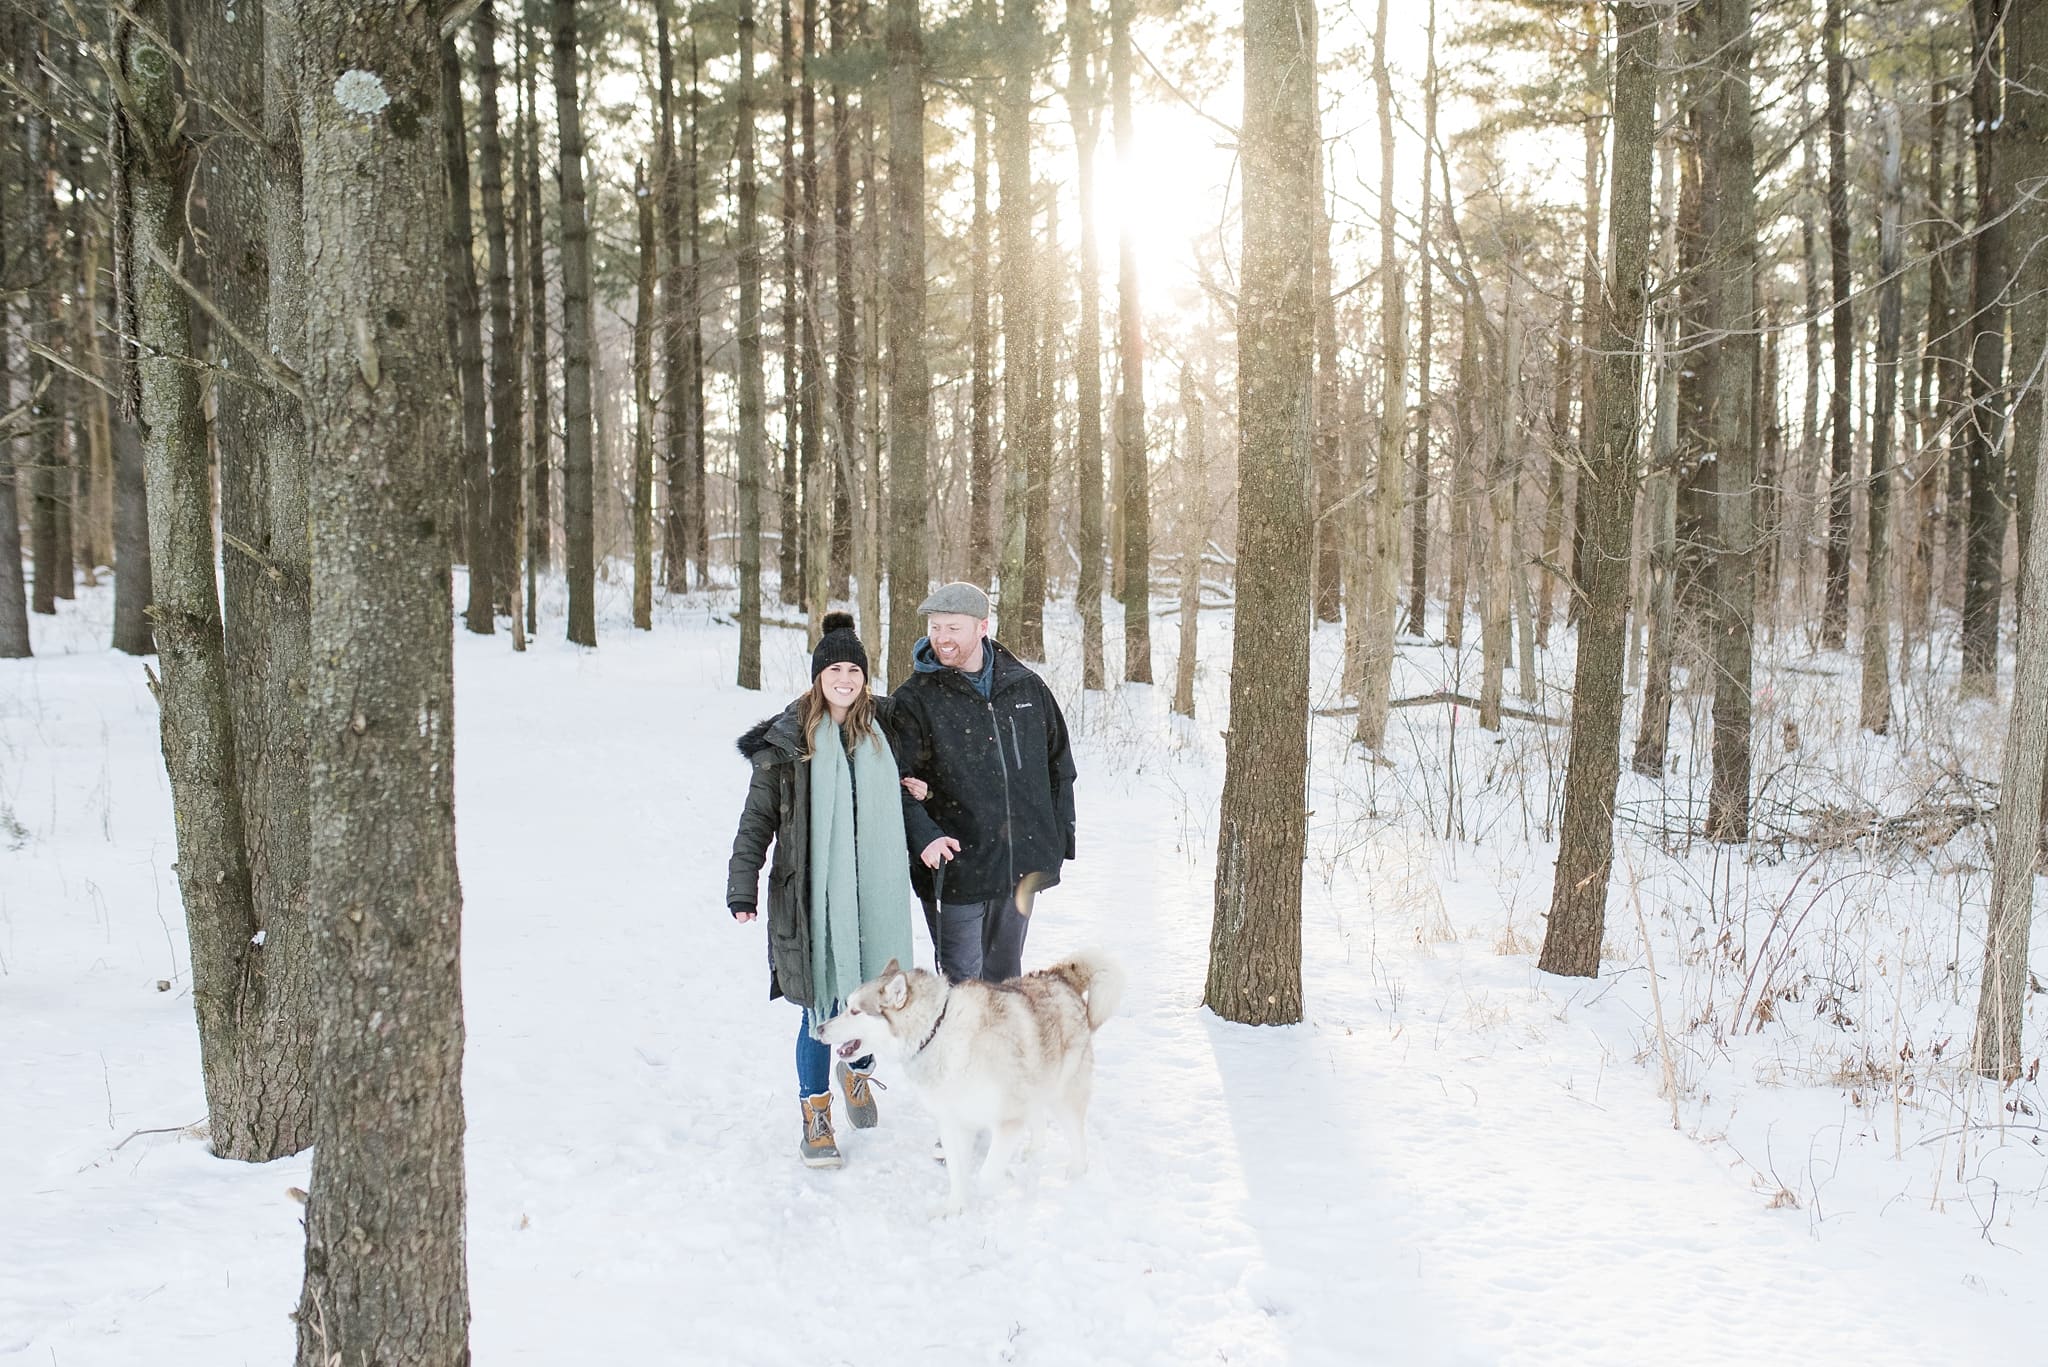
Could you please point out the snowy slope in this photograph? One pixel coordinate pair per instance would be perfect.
(1456, 1159)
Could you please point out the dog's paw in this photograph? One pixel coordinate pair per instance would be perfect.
(946, 1210)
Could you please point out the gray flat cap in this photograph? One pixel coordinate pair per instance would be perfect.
(958, 596)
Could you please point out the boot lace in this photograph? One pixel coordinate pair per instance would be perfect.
(817, 1125)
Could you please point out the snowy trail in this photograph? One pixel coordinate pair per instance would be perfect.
(1445, 1164)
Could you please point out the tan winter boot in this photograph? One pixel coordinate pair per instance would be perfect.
(859, 1086)
(817, 1148)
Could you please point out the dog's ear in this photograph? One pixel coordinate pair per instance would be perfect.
(895, 988)
(893, 969)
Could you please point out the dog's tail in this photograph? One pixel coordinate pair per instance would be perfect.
(1098, 978)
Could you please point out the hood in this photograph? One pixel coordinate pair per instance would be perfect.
(779, 733)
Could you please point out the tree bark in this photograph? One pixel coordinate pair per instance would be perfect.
(861, 555)
(1418, 515)
(2025, 164)
(1018, 282)
(909, 376)
(643, 407)
(1728, 226)
(1132, 458)
(1085, 106)
(1996, 1051)
(675, 294)
(39, 237)
(385, 1276)
(14, 635)
(789, 546)
(1990, 278)
(577, 448)
(1255, 944)
(1383, 584)
(1194, 538)
(1876, 702)
(1834, 623)
(256, 240)
(1585, 853)
(466, 340)
(505, 469)
(752, 437)
(981, 468)
(197, 721)
(540, 431)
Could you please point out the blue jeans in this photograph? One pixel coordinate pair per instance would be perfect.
(814, 1060)
(979, 939)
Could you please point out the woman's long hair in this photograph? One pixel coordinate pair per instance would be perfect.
(860, 716)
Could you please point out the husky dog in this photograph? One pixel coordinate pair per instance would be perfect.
(988, 1056)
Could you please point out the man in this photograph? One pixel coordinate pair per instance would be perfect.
(987, 737)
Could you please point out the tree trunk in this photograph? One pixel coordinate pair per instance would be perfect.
(577, 343)
(1194, 537)
(1578, 898)
(14, 637)
(1418, 518)
(1383, 585)
(1337, 516)
(909, 376)
(466, 338)
(133, 634)
(540, 431)
(1132, 458)
(1876, 702)
(1255, 945)
(1990, 277)
(385, 1275)
(820, 474)
(2025, 164)
(1997, 1050)
(1028, 636)
(1834, 622)
(1085, 106)
(1728, 225)
(256, 239)
(675, 345)
(981, 468)
(752, 438)
(1497, 558)
(39, 236)
(643, 408)
(700, 527)
(504, 362)
(850, 527)
(519, 592)
(197, 720)
(1014, 220)
(789, 510)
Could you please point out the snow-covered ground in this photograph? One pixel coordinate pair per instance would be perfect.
(1455, 1159)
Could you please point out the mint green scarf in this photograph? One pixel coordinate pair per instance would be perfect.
(860, 869)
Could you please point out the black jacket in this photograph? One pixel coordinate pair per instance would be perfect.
(778, 811)
(1001, 775)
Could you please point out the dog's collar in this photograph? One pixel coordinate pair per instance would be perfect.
(932, 1033)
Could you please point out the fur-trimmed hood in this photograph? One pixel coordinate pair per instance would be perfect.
(773, 740)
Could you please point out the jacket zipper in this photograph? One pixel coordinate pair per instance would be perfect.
(1009, 847)
(1015, 748)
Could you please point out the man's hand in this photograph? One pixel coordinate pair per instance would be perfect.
(918, 789)
(939, 851)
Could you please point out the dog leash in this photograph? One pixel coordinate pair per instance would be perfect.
(938, 917)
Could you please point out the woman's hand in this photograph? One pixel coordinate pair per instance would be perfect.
(918, 789)
(743, 913)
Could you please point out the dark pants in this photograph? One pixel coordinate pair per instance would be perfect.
(979, 939)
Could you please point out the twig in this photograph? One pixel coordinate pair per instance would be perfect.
(1456, 699)
(166, 1129)
(270, 567)
(279, 374)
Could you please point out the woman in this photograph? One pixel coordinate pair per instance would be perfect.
(825, 794)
